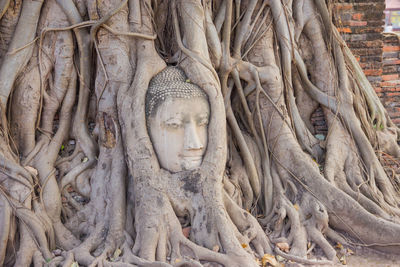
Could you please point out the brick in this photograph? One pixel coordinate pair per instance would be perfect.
(374, 15)
(388, 89)
(374, 79)
(353, 23)
(375, 43)
(371, 65)
(363, 44)
(357, 16)
(393, 105)
(396, 121)
(358, 37)
(367, 51)
(391, 48)
(390, 77)
(360, 52)
(374, 58)
(374, 36)
(366, 29)
(344, 17)
(346, 29)
(372, 72)
(391, 94)
(390, 37)
(390, 83)
(391, 62)
(392, 55)
(369, 6)
(375, 23)
(390, 69)
(343, 6)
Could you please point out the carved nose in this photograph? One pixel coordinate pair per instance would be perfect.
(192, 140)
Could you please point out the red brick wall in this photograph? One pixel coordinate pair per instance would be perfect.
(389, 91)
(361, 23)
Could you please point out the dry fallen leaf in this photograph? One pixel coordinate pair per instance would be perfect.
(269, 259)
(296, 206)
(177, 260)
(283, 246)
(244, 245)
(339, 246)
(116, 254)
(350, 252)
(74, 264)
(215, 248)
(343, 260)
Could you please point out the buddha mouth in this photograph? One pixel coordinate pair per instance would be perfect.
(192, 158)
(191, 162)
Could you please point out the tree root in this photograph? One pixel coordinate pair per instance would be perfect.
(249, 227)
(302, 260)
(13, 64)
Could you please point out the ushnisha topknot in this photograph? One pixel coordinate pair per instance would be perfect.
(170, 82)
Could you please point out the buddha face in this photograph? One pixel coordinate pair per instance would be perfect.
(178, 131)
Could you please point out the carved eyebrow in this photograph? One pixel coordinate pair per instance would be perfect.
(177, 116)
(204, 115)
(203, 118)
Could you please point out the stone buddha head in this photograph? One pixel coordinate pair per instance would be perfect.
(177, 114)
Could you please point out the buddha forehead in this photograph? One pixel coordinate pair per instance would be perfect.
(169, 84)
(182, 109)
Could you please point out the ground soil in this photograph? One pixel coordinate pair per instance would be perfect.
(363, 257)
(372, 259)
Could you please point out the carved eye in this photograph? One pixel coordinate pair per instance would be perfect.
(173, 124)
